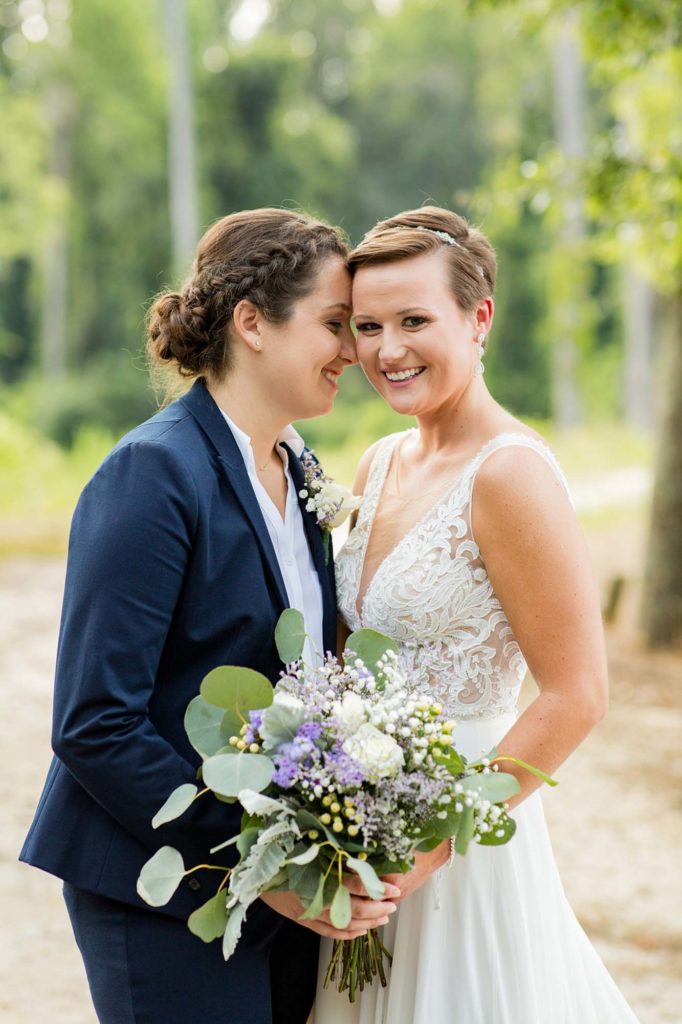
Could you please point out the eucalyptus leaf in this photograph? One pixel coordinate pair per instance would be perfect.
(317, 904)
(368, 877)
(230, 725)
(506, 825)
(465, 831)
(290, 635)
(280, 724)
(340, 911)
(236, 689)
(304, 880)
(227, 775)
(330, 886)
(202, 725)
(428, 844)
(496, 786)
(445, 827)
(233, 930)
(160, 876)
(208, 922)
(176, 804)
(370, 645)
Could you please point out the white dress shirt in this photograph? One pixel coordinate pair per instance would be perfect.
(289, 539)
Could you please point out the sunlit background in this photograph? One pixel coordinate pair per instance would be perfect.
(127, 127)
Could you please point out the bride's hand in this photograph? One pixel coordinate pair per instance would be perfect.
(365, 913)
(425, 865)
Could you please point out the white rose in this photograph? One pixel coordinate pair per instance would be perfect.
(377, 754)
(350, 712)
(288, 701)
(336, 493)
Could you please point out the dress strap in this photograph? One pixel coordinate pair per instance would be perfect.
(511, 440)
(375, 479)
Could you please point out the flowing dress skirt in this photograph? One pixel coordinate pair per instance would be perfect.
(491, 940)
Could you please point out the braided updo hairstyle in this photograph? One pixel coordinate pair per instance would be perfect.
(471, 262)
(268, 256)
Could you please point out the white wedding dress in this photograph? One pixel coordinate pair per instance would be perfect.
(491, 940)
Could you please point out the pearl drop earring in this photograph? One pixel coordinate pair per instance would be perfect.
(480, 346)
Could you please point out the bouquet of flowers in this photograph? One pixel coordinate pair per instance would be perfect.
(340, 768)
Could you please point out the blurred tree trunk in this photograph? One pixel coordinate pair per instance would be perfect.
(54, 312)
(639, 312)
(662, 609)
(181, 159)
(569, 294)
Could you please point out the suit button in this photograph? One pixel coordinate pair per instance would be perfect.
(194, 884)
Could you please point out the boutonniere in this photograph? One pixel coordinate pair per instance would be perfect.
(332, 503)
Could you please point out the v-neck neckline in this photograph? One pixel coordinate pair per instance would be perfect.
(359, 606)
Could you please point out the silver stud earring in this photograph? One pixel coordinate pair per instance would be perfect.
(480, 348)
(257, 344)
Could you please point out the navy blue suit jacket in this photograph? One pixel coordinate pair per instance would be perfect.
(171, 572)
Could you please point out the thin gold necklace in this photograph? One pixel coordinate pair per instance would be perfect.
(262, 468)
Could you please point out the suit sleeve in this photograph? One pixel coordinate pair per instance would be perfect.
(130, 544)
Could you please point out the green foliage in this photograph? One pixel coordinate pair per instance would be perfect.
(340, 910)
(176, 804)
(160, 876)
(368, 876)
(280, 724)
(316, 905)
(109, 394)
(465, 831)
(209, 921)
(203, 723)
(370, 646)
(228, 774)
(236, 689)
(290, 635)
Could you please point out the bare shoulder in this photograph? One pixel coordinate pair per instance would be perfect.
(518, 490)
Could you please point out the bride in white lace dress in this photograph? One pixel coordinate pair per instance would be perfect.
(467, 551)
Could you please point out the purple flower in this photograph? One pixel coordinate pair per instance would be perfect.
(285, 773)
(310, 731)
(344, 769)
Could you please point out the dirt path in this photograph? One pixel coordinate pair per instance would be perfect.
(616, 821)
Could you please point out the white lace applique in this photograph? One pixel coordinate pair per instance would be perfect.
(432, 594)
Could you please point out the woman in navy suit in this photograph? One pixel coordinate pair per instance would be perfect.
(185, 547)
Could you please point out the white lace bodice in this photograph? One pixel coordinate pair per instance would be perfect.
(432, 594)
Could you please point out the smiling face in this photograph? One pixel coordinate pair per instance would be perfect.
(303, 357)
(415, 343)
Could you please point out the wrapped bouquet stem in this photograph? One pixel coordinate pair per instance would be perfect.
(341, 769)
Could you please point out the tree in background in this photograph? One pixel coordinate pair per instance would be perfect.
(636, 184)
(633, 185)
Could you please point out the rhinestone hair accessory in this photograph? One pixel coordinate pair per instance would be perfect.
(443, 235)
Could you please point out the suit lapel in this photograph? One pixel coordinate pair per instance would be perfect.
(323, 567)
(212, 422)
